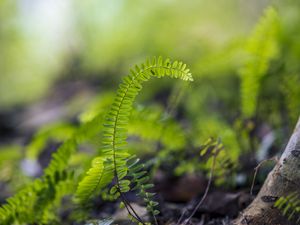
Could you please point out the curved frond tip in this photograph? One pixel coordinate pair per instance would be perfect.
(115, 125)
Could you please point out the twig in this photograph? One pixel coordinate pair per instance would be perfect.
(256, 171)
(182, 215)
(206, 191)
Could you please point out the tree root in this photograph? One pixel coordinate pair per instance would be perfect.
(283, 180)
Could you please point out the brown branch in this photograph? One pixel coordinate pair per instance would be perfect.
(283, 180)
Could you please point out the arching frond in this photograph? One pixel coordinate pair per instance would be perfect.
(291, 91)
(20, 207)
(261, 49)
(112, 162)
(115, 125)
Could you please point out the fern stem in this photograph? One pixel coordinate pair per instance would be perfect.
(128, 86)
(127, 204)
(154, 217)
(206, 190)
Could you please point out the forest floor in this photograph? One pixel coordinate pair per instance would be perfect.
(177, 195)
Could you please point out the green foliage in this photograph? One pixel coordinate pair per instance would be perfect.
(290, 88)
(20, 208)
(162, 132)
(9, 156)
(115, 155)
(141, 184)
(156, 127)
(290, 206)
(102, 170)
(36, 202)
(225, 164)
(261, 48)
(58, 132)
(215, 127)
(111, 163)
(268, 69)
(227, 160)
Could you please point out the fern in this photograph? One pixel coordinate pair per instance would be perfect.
(227, 160)
(205, 154)
(291, 91)
(261, 48)
(34, 202)
(20, 206)
(156, 128)
(290, 206)
(141, 180)
(99, 167)
(115, 128)
(112, 162)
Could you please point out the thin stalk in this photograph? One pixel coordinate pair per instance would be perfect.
(256, 171)
(206, 190)
(127, 204)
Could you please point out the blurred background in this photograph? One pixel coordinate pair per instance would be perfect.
(48, 43)
(62, 60)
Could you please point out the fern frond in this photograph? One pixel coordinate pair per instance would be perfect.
(225, 165)
(156, 128)
(291, 91)
(115, 125)
(214, 127)
(34, 202)
(89, 185)
(20, 206)
(142, 185)
(118, 116)
(290, 206)
(261, 49)
(50, 195)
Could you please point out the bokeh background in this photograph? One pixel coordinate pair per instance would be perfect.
(44, 43)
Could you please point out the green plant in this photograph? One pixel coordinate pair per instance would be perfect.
(290, 206)
(291, 93)
(114, 162)
(261, 48)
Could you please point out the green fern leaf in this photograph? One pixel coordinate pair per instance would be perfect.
(88, 185)
(115, 125)
(261, 48)
(20, 207)
(290, 206)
